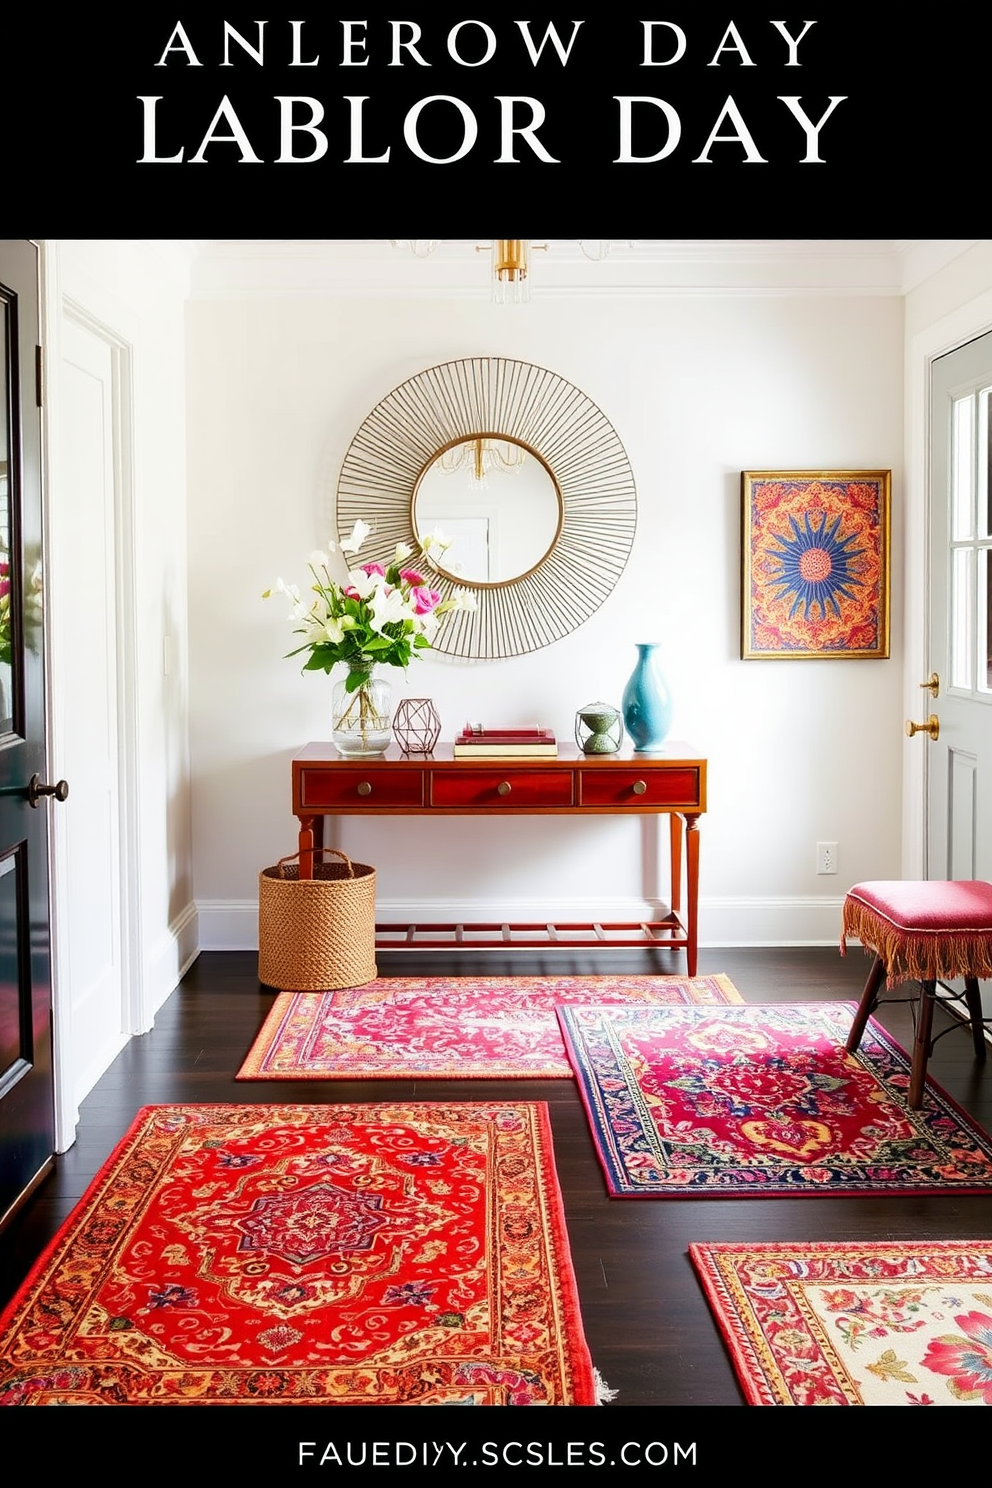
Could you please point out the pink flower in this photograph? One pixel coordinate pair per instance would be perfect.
(424, 600)
(412, 577)
(967, 1360)
(374, 568)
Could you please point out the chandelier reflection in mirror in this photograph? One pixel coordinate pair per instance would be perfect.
(480, 456)
(540, 541)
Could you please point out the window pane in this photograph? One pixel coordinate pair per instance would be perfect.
(962, 467)
(984, 462)
(962, 629)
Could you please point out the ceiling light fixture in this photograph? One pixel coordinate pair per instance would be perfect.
(511, 261)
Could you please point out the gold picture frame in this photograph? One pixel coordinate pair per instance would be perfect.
(815, 564)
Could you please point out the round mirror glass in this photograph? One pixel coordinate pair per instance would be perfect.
(497, 503)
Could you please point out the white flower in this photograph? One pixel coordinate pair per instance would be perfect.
(434, 545)
(364, 584)
(461, 599)
(333, 632)
(387, 607)
(319, 559)
(403, 552)
(359, 533)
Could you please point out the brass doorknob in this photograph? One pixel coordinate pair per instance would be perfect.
(932, 684)
(36, 790)
(931, 727)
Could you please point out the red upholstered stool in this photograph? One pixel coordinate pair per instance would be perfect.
(927, 931)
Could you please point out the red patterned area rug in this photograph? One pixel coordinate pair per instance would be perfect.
(320, 1255)
(855, 1323)
(451, 1028)
(749, 1101)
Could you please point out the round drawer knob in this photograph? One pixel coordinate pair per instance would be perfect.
(640, 786)
(364, 788)
(504, 788)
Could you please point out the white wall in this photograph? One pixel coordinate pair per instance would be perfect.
(698, 387)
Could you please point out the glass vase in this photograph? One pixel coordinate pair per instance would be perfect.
(361, 711)
(647, 702)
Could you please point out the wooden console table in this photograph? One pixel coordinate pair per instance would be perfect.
(671, 783)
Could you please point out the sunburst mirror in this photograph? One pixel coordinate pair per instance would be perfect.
(522, 473)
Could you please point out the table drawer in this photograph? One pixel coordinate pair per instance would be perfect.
(361, 788)
(639, 788)
(533, 789)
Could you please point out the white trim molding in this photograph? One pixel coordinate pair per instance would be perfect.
(169, 960)
(232, 924)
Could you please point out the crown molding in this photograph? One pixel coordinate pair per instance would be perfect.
(239, 268)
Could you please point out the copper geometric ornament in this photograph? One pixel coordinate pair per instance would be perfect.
(416, 725)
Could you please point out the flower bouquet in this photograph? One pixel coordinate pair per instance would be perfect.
(381, 615)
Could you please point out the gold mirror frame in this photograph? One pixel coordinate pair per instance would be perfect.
(453, 401)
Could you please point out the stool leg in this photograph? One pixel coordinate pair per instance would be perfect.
(921, 1048)
(867, 1005)
(974, 1000)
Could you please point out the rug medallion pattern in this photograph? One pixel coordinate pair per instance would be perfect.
(309, 1254)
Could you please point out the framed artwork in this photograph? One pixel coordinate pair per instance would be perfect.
(815, 549)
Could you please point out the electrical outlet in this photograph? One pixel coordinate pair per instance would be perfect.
(826, 857)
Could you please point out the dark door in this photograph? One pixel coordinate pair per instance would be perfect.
(26, 1086)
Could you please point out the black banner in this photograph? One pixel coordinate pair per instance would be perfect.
(642, 121)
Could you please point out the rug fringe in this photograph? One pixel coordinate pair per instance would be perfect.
(603, 1392)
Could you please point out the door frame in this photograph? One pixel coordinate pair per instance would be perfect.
(61, 654)
(937, 339)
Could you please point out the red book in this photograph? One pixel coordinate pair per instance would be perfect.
(506, 736)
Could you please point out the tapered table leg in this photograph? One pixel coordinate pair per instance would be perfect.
(692, 891)
(675, 839)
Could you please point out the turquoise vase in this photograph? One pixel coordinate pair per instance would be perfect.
(647, 702)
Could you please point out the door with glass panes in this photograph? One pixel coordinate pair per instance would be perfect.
(959, 705)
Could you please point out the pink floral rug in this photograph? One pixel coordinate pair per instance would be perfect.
(855, 1323)
(451, 1028)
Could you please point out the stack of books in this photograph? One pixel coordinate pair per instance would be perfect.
(475, 742)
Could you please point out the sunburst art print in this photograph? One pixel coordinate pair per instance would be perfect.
(816, 563)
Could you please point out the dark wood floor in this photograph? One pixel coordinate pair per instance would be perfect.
(646, 1321)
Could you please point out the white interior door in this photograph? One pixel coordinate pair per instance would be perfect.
(90, 928)
(959, 819)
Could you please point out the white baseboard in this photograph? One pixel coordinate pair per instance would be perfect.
(232, 924)
(169, 960)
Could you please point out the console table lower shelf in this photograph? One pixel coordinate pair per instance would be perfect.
(667, 934)
(671, 783)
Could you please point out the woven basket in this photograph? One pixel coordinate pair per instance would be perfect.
(315, 934)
